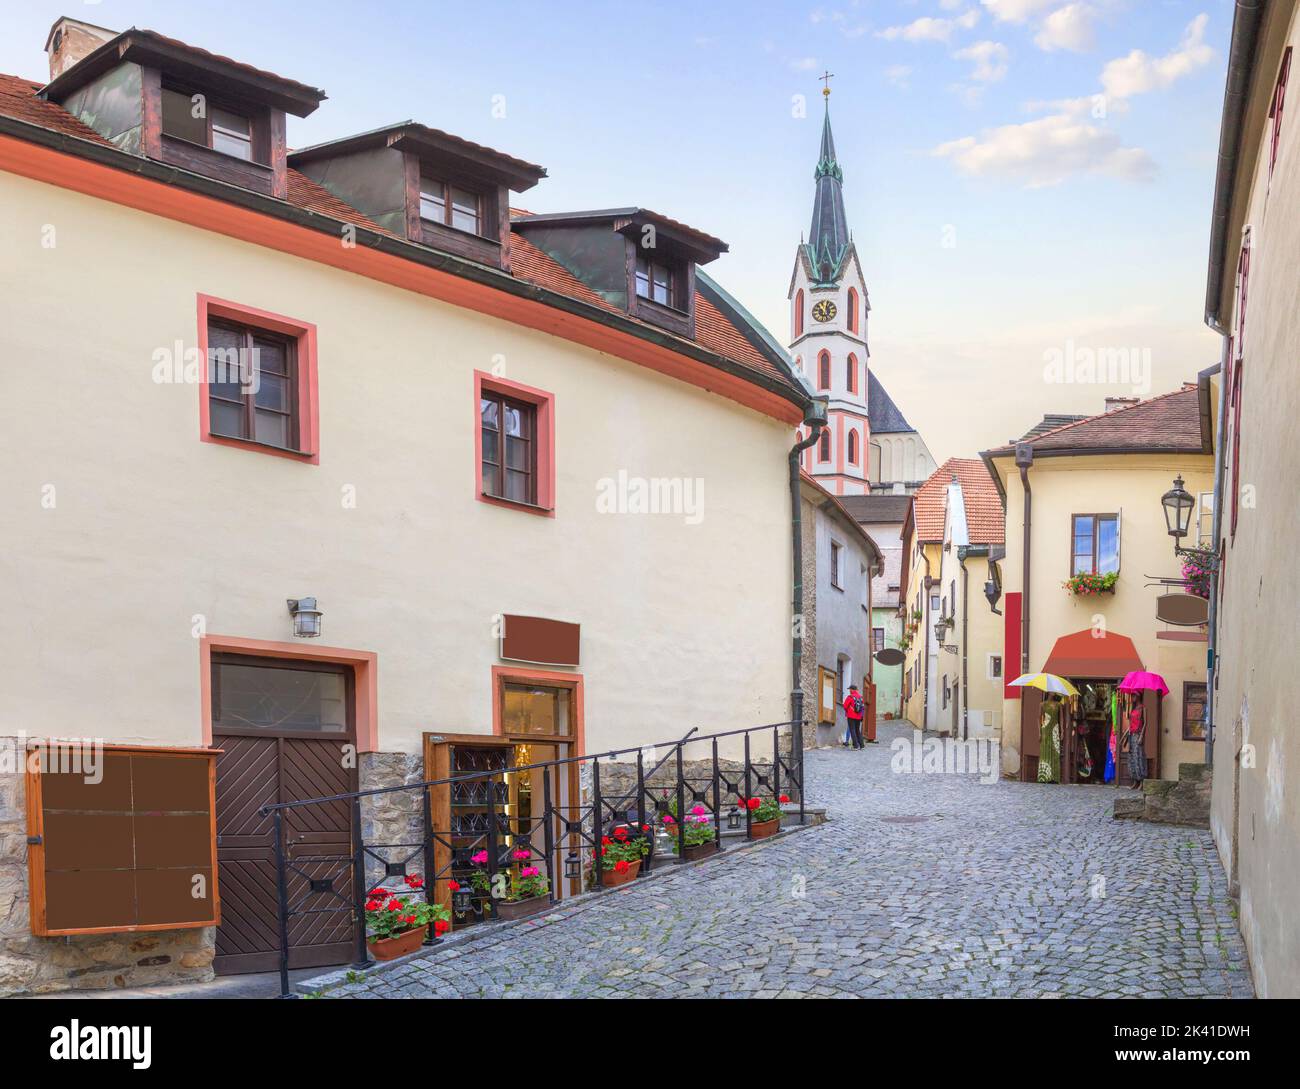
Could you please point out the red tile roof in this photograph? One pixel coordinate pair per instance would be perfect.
(713, 331)
(1169, 422)
(985, 520)
(18, 100)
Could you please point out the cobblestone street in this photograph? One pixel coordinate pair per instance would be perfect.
(988, 893)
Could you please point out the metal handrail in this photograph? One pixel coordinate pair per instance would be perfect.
(575, 826)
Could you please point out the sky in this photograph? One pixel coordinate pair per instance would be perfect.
(1028, 181)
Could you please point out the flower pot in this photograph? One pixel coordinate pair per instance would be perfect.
(521, 909)
(408, 941)
(613, 877)
(763, 829)
(700, 850)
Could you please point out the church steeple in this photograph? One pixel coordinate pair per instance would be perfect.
(828, 239)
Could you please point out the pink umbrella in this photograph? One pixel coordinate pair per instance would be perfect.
(1140, 680)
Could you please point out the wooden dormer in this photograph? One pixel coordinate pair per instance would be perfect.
(426, 185)
(181, 105)
(638, 260)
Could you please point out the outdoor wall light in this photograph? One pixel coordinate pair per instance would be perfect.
(306, 617)
(1179, 504)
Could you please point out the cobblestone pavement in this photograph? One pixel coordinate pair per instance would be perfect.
(992, 894)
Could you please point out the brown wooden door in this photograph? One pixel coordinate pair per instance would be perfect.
(265, 766)
(1031, 705)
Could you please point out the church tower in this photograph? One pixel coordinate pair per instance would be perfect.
(828, 329)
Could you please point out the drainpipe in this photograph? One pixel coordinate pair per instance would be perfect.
(925, 643)
(1024, 459)
(965, 628)
(1212, 649)
(815, 418)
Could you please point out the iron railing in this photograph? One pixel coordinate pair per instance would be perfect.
(312, 884)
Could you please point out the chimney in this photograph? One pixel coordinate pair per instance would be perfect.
(70, 40)
(1112, 403)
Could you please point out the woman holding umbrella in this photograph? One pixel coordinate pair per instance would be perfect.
(1135, 727)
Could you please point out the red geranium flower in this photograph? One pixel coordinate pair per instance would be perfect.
(620, 866)
(373, 905)
(377, 892)
(604, 840)
(785, 797)
(453, 886)
(753, 803)
(394, 904)
(441, 926)
(740, 801)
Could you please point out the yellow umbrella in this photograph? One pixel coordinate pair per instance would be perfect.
(1048, 682)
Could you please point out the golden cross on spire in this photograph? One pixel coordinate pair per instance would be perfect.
(826, 78)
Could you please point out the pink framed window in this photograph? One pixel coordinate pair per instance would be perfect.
(824, 447)
(853, 373)
(853, 310)
(259, 381)
(853, 447)
(514, 445)
(798, 313)
(824, 370)
(1275, 109)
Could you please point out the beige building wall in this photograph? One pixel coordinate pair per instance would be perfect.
(1130, 485)
(125, 536)
(1255, 814)
(919, 562)
(983, 639)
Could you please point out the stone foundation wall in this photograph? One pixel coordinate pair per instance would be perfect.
(32, 965)
(391, 818)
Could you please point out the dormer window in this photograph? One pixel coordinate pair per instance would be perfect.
(654, 281)
(173, 103)
(196, 120)
(450, 206)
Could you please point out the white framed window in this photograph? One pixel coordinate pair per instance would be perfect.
(1205, 520)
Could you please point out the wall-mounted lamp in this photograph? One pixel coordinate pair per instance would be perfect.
(306, 617)
(1178, 505)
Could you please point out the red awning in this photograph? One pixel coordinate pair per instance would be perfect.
(1093, 655)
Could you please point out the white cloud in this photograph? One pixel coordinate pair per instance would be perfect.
(899, 75)
(1046, 152)
(1015, 11)
(930, 29)
(803, 64)
(1070, 27)
(1139, 72)
(990, 59)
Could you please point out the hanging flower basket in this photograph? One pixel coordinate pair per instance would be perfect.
(1089, 585)
(1196, 579)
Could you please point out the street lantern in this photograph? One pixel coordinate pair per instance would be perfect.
(733, 819)
(306, 617)
(462, 900)
(572, 868)
(1178, 504)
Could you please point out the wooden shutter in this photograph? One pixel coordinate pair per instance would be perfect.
(125, 843)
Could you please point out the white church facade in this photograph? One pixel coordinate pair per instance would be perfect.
(867, 445)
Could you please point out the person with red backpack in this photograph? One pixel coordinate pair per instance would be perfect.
(855, 708)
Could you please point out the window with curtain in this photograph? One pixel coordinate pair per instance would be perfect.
(252, 385)
(509, 448)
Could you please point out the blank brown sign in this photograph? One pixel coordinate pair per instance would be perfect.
(539, 641)
(129, 846)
